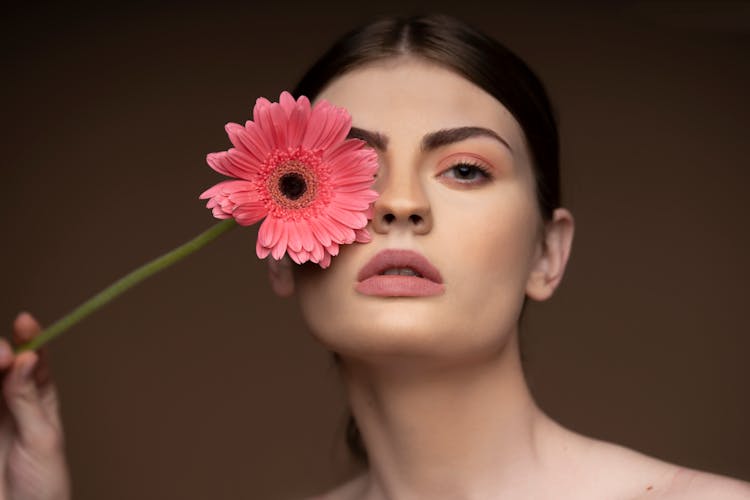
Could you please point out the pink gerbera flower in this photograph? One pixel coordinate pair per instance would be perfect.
(294, 166)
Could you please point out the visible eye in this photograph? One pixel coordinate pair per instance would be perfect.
(467, 173)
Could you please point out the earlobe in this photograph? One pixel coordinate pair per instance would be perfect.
(549, 266)
(281, 276)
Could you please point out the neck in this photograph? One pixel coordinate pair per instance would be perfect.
(453, 431)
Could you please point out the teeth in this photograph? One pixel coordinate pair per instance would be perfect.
(401, 271)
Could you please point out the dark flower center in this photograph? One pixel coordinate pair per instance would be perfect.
(292, 185)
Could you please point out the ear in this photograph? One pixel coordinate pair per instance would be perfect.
(551, 256)
(281, 276)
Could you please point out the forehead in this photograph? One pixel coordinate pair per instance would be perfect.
(413, 97)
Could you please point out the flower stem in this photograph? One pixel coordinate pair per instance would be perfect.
(126, 282)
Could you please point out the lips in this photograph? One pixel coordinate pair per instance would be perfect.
(373, 282)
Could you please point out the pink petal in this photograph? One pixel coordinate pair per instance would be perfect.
(347, 181)
(362, 236)
(320, 118)
(241, 165)
(239, 137)
(303, 103)
(261, 251)
(304, 256)
(241, 198)
(280, 247)
(279, 122)
(348, 162)
(257, 140)
(288, 104)
(337, 127)
(262, 118)
(315, 125)
(294, 256)
(317, 253)
(261, 103)
(371, 194)
(326, 261)
(301, 119)
(323, 236)
(345, 234)
(328, 125)
(294, 242)
(361, 190)
(333, 249)
(336, 232)
(269, 232)
(219, 213)
(306, 236)
(344, 175)
(296, 127)
(346, 149)
(350, 237)
(370, 212)
(220, 163)
(226, 188)
(352, 219)
(348, 202)
(249, 214)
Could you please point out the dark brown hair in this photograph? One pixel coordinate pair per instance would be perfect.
(480, 59)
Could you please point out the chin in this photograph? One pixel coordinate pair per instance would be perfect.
(394, 340)
(376, 337)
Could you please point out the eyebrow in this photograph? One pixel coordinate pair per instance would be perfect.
(430, 141)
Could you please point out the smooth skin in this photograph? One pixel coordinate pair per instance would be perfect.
(436, 383)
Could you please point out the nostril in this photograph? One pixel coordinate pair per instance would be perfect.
(413, 218)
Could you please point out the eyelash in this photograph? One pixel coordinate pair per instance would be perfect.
(485, 172)
(476, 167)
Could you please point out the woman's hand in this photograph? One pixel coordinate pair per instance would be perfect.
(32, 455)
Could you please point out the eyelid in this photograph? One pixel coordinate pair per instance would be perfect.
(481, 175)
(470, 158)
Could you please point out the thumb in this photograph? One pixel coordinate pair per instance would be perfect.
(22, 398)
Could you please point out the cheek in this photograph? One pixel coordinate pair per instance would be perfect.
(490, 261)
(324, 296)
(492, 236)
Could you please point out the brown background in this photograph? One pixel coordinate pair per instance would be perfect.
(202, 384)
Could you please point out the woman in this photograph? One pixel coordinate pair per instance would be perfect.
(469, 203)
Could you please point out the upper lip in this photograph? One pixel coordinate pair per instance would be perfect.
(399, 258)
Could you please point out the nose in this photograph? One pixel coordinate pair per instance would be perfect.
(402, 204)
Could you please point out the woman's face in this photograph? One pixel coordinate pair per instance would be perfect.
(481, 232)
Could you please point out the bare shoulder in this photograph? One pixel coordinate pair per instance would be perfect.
(612, 471)
(640, 476)
(689, 484)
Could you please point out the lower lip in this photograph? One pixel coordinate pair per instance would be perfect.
(399, 286)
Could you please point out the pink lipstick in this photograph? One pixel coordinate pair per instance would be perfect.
(399, 273)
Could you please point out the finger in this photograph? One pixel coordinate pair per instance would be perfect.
(51, 405)
(6, 355)
(23, 401)
(42, 371)
(25, 327)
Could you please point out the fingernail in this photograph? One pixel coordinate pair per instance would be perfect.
(4, 352)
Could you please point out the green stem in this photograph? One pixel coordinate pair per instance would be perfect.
(126, 282)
